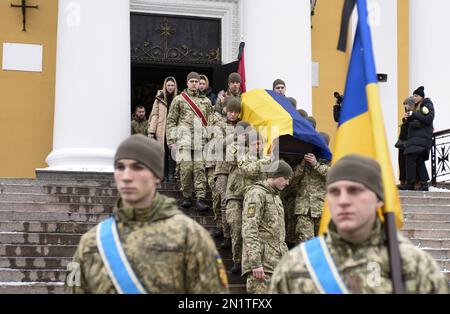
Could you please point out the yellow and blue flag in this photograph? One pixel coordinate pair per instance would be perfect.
(361, 127)
(273, 115)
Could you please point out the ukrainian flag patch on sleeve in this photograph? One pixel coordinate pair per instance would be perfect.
(221, 270)
(251, 210)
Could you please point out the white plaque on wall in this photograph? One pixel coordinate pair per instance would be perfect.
(22, 57)
(315, 74)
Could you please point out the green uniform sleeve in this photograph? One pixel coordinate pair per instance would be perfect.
(430, 279)
(205, 271)
(322, 168)
(254, 202)
(75, 278)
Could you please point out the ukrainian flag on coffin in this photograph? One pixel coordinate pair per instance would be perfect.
(274, 116)
(361, 127)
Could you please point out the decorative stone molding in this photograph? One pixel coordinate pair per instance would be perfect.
(228, 11)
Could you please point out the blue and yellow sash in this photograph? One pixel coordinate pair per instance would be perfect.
(321, 267)
(116, 262)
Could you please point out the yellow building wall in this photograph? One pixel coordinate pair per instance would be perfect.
(27, 98)
(332, 63)
(403, 55)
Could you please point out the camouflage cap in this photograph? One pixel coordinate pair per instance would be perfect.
(281, 169)
(278, 82)
(144, 150)
(193, 75)
(234, 77)
(357, 168)
(293, 101)
(233, 104)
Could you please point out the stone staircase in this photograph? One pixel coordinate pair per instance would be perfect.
(42, 220)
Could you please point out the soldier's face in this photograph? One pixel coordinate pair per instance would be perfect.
(232, 116)
(135, 182)
(192, 84)
(234, 86)
(280, 183)
(202, 85)
(417, 99)
(280, 89)
(353, 208)
(140, 113)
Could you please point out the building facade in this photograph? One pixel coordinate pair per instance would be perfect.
(68, 83)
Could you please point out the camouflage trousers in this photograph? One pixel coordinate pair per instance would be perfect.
(257, 286)
(215, 198)
(221, 186)
(192, 173)
(234, 220)
(307, 227)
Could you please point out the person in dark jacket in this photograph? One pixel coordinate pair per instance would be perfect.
(402, 138)
(418, 145)
(203, 87)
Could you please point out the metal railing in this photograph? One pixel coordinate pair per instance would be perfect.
(440, 151)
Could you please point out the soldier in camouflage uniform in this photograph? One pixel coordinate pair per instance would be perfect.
(234, 90)
(263, 233)
(168, 251)
(225, 160)
(250, 168)
(356, 240)
(139, 123)
(186, 133)
(310, 196)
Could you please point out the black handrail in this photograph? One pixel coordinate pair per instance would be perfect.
(440, 151)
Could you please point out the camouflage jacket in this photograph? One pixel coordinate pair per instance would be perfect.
(213, 143)
(363, 267)
(225, 140)
(247, 172)
(169, 252)
(184, 127)
(139, 127)
(310, 197)
(263, 233)
(219, 103)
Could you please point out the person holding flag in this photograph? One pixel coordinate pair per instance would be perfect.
(359, 250)
(353, 257)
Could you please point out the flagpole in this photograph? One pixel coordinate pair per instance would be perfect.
(395, 261)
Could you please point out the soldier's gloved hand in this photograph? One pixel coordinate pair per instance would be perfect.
(258, 273)
(311, 159)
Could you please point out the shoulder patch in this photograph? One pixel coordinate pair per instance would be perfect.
(425, 110)
(251, 210)
(221, 270)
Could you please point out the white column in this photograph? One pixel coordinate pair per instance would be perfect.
(277, 35)
(383, 24)
(429, 48)
(92, 101)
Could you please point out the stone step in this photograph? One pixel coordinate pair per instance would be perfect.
(31, 288)
(444, 263)
(44, 198)
(424, 233)
(435, 243)
(438, 253)
(426, 216)
(14, 250)
(45, 227)
(59, 263)
(31, 275)
(426, 209)
(39, 238)
(424, 224)
(404, 194)
(45, 207)
(46, 216)
(426, 200)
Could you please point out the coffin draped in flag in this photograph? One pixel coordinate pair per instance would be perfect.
(361, 127)
(274, 116)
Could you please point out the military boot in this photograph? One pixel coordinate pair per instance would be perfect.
(201, 206)
(218, 233)
(186, 204)
(406, 187)
(423, 186)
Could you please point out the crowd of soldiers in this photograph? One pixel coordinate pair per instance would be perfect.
(263, 205)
